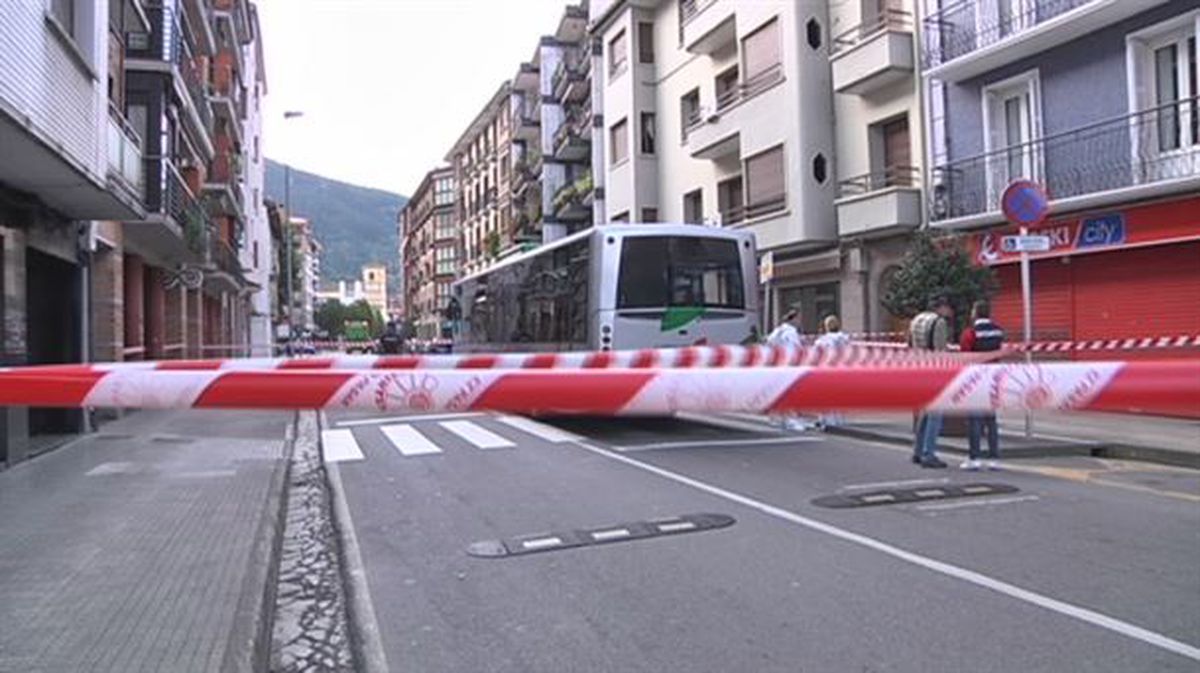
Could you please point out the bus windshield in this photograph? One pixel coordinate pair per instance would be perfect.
(662, 271)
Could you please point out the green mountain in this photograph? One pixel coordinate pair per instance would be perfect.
(356, 225)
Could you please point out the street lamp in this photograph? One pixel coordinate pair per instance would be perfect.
(287, 228)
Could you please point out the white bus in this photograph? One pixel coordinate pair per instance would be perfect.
(614, 287)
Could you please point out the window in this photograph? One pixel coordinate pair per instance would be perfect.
(820, 168)
(689, 111)
(650, 215)
(618, 55)
(64, 12)
(726, 87)
(648, 133)
(813, 33)
(814, 302)
(729, 200)
(619, 134)
(761, 53)
(645, 42)
(1163, 97)
(765, 183)
(257, 198)
(891, 154)
(693, 207)
(256, 149)
(1010, 117)
(662, 271)
(255, 254)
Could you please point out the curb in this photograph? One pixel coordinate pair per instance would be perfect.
(1092, 449)
(365, 641)
(249, 647)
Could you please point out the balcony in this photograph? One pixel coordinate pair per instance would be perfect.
(527, 125)
(968, 37)
(1148, 153)
(569, 203)
(228, 96)
(234, 12)
(706, 26)
(223, 184)
(715, 134)
(874, 55)
(175, 227)
(225, 270)
(570, 144)
(881, 203)
(571, 83)
(125, 170)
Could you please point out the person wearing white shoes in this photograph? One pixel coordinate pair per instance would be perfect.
(788, 335)
(983, 335)
(832, 338)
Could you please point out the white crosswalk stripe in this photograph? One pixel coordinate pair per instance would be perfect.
(479, 436)
(542, 431)
(340, 446)
(409, 441)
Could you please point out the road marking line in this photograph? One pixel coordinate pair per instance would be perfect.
(408, 441)
(976, 489)
(480, 437)
(541, 543)
(727, 423)
(979, 503)
(716, 442)
(676, 526)
(610, 534)
(409, 419)
(970, 576)
(930, 493)
(542, 431)
(894, 484)
(340, 446)
(878, 497)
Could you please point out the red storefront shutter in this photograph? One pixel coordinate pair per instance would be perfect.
(1052, 299)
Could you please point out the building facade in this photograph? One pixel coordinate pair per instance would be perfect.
(1097, 102)
(433, 240)
(720, 113)
(255, 253)
(374, 285)
(878, 145)
(481, 160)
(308, 274)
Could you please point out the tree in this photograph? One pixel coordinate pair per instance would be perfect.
(331, 317)
(362, 311)
(937, 266)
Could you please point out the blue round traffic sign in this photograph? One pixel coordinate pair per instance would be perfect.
(1024, 202)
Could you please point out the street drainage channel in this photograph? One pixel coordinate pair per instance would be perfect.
(904, 496)
(574, 539)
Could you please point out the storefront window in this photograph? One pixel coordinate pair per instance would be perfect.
(814, 301)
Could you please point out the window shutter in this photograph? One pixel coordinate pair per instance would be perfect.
(764, 177)
(761, 50)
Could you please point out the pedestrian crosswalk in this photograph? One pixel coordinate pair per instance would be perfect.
(424, 437)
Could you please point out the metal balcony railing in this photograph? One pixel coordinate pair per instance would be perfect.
(690, 9)
(743, 91)
(892, 176)
(178, 203)
(125, 151)
(766, 206)
(1149, 146)
(888, 19)
(968, 25)
(733, 214)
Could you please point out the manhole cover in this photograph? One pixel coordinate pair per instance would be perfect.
(899, 496)
(624, 532)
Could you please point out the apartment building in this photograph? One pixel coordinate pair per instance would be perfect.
(482, 162)
(69, 158)
(433, 240)
(1097, 101)
(255, 253)
(878, 145)
(308, 259)
(720, 113)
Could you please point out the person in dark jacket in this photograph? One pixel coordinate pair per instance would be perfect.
(983, 335)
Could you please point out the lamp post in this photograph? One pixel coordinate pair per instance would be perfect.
(287, 229)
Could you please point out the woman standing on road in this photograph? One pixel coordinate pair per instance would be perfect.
(832, 339)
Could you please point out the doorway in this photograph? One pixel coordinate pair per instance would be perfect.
(52, 306)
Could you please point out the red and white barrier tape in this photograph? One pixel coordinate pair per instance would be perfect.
(692, 356)
(1139, 343)
(1149, 387)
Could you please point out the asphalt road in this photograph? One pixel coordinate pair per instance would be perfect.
(1060, 574)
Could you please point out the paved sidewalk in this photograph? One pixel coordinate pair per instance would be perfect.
(1173, 441)
(145, 547)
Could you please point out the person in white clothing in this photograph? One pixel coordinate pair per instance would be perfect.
(788, 334)
(833, 338)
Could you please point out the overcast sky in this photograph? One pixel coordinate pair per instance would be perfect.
(387, 86)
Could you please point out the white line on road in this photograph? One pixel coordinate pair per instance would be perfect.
(969, 576)
(716, 442)
(541, 542)
(610, 534)
(894, 484)
(409, 419)
(676, 526)
(340, 446)
(548, 433)
(979, 503)
(408, 441)
(480, 437)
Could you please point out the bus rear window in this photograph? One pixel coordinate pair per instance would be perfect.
(661, 271)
